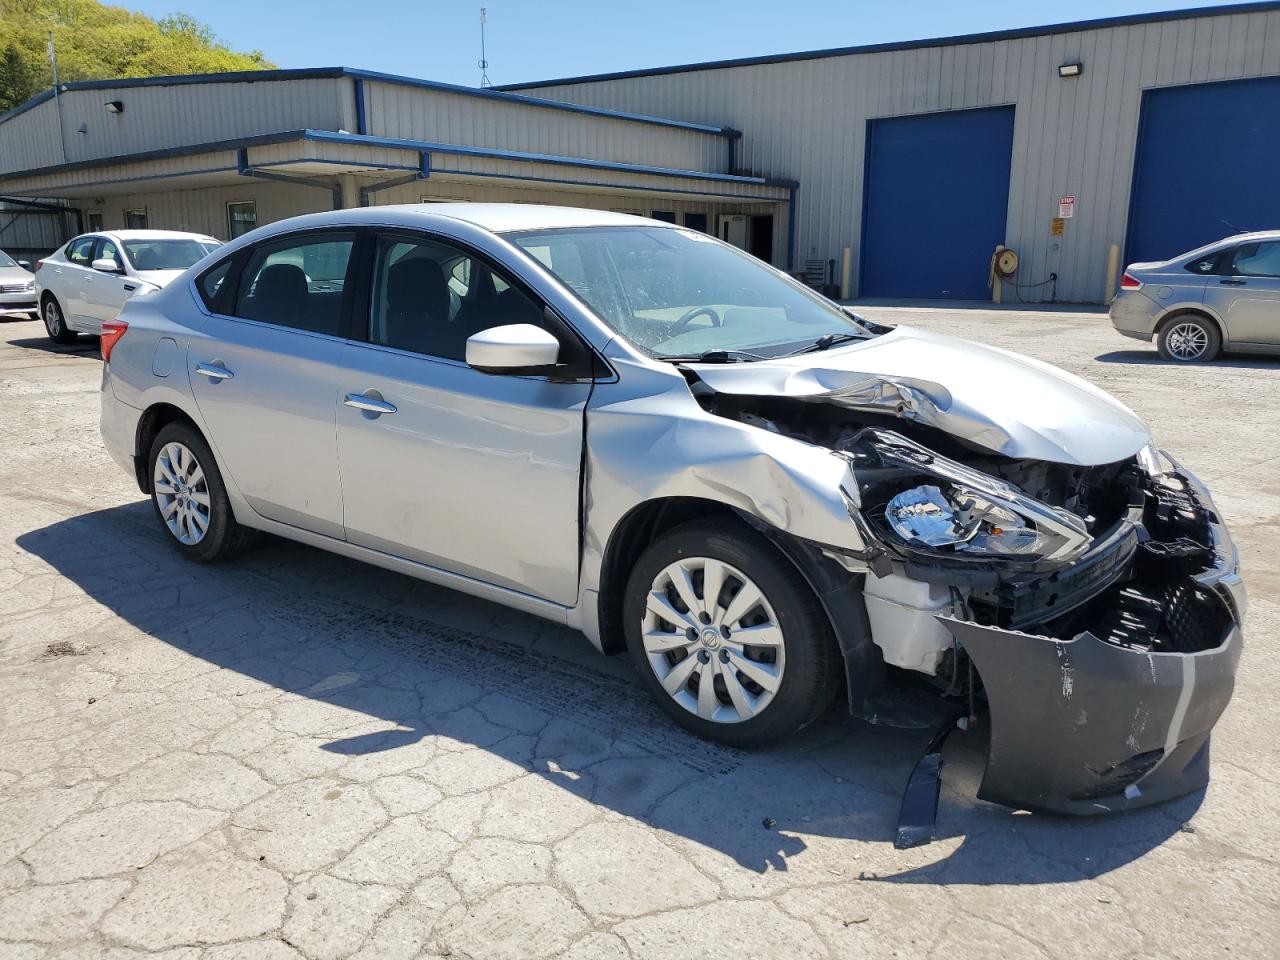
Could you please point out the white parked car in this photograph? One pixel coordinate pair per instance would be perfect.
(17, 287)
(85, 284)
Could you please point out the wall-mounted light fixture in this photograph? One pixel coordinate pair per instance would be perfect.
(1070, 70)
(114, 106)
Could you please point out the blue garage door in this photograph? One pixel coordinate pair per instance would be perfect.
(1207, 166)
(937, 194)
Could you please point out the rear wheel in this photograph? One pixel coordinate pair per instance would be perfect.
(55, 323)
(189, 497)
(1188, 338)
(728, 637)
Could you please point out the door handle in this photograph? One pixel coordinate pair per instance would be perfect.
(1233, 283)
(213, 371)
(369, 404)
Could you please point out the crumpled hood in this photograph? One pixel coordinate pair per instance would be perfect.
(999, 400)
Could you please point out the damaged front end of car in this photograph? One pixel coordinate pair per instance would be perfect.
(1085, 598)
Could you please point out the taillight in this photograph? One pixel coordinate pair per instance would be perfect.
(112, 331)
(39, 264)
(1130, 282)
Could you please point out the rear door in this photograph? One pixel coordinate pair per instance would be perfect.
(1247, 293)
(265, 372)
(440, 463)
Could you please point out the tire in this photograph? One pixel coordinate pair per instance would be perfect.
(1189, 338)
(801, 659)
(55, 324)
(186, 484)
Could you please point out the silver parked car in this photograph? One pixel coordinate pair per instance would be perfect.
(1224, 296)
(86, 282)
(17, 287)
(641, 432)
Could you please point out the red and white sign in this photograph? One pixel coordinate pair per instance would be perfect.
(1066, 207)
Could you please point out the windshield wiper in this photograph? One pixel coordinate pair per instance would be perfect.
(825, 342)
(718, 356)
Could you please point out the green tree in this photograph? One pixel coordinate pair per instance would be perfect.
(98, 42)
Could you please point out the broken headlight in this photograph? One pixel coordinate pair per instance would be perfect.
(940, 506)
(965, 521)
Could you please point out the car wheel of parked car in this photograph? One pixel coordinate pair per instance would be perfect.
(728, 637)
(1188, 338)
(189, 497)
(55, 323)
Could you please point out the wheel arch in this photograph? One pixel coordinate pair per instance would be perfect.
(154, 419)
(1196, 310)
(838, 590)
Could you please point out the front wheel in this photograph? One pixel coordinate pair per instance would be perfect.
(56, 324)
(1189, 338)
(728, 637)
(189, 498)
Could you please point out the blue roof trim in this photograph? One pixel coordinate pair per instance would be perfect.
(328, 136)
(311, 73)
(1015, 34)
(421, 146)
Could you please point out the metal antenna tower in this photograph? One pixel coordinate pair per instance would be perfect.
(482, 63)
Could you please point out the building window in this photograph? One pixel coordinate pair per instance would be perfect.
(666, 216)
(135, 219)
(93, 221)
(242, 216)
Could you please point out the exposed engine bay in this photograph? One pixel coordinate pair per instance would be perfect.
(1072, 604)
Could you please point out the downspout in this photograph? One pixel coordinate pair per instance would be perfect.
(791, 229)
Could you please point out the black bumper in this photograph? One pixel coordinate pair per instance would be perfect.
(1085, 727)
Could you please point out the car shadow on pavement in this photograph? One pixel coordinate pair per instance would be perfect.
(1235, 361)
(403, 661)
(81, 347)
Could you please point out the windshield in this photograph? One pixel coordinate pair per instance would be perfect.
(680, 294)
(6, 260)
(167, 254)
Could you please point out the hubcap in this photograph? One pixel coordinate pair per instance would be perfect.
(713, 640)
(1187, 341)
(182, 493)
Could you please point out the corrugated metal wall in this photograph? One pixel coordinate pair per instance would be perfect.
(159, 117)
(807, 119)
(396, 110)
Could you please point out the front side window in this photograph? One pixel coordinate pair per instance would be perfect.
(1257, 260)
(428, 297)
(242, 216)
(136, 219)
(680, 294)
(297, 283)
(167, 254)
(109, 252)
(81, 251)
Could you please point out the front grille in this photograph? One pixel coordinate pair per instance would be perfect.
(16, 288)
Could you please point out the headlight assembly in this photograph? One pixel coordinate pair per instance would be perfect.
(956, 511)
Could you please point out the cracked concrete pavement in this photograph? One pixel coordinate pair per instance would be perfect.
(296, 756)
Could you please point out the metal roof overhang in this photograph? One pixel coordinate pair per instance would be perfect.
(317, 157)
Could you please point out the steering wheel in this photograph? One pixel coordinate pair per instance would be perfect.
(686, 318)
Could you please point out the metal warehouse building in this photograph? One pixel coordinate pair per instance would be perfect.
(1147, 134)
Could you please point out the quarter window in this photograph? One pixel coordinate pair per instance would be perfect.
(428, 297)
(212, 280)
(81, 251)
(1257, 260)
(242, 216)
(297, 283)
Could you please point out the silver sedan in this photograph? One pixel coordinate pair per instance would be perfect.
(1224, 296)
(641, 432)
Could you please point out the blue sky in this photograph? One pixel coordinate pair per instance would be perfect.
(540, 39)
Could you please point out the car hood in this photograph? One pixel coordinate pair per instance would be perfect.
(15, 275)
(998, 400)
(160, 278)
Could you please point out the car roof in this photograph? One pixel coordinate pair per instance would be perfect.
(493, 217)
(150, 235)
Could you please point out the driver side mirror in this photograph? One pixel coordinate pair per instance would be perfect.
(515, 349)
(107, 265)
(25, 264)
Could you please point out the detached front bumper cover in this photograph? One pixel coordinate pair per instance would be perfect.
(1085, 726)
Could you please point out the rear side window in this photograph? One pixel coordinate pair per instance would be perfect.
(81, 251)
(297, 283)
(1257, 260)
